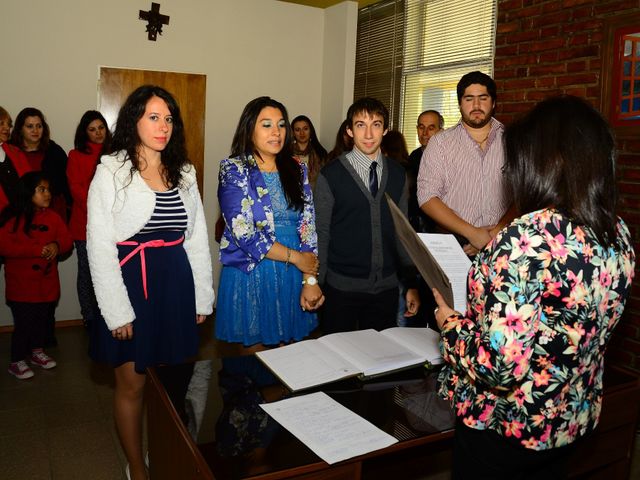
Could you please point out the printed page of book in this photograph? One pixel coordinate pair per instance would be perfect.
(371, 352)
(306, 364)
(450, 256)
(423, 341)
(330, 430)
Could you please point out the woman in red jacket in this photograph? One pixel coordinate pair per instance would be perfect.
(91, 140)
(31, 134)
(31, 237)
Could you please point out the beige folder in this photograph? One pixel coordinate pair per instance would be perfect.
(419, 253)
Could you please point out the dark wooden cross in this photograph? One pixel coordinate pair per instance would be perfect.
(155, 21)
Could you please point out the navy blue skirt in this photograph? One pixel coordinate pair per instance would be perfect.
(164, 330)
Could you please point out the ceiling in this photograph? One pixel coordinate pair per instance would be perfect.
(328, 3)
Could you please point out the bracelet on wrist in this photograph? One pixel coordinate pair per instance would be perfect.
(288, 257)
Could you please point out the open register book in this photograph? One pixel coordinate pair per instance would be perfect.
(362, 353)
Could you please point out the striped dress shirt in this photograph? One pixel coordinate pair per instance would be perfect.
(361, 163)
(466, 178)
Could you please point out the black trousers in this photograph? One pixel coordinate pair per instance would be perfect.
(348, 311)
(29, 327)
(485, 455)
(86, 295)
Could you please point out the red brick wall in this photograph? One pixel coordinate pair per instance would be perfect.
(547, 47)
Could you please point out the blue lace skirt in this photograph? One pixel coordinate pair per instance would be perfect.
(165, 330)
(263, 306)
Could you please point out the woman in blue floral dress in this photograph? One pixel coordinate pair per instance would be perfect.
(524, 364)
(268, 249)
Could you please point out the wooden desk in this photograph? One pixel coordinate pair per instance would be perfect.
(423, 446)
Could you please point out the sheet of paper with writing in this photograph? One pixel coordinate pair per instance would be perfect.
(330, 430)
(450, 256)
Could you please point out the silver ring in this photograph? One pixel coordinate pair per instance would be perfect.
(435, 311)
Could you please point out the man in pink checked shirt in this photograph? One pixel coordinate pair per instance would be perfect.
(460, 182)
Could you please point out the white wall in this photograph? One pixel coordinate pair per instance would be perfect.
(299, 55)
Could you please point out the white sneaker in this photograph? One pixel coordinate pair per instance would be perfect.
(38, 357)
(20, 370)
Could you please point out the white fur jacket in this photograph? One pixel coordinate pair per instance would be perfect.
(118, 207)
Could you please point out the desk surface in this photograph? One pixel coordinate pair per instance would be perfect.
(238, 439)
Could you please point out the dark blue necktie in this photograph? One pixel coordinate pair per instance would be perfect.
(373, 179)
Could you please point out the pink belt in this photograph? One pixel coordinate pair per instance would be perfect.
(140, 248)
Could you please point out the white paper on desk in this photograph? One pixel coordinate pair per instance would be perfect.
(452, 259)
(330, 430)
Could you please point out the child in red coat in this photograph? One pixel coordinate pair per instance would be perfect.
(31, 237)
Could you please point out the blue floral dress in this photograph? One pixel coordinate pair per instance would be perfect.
(259, 299)
(526, 360)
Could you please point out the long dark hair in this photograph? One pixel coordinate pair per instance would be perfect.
(562, 154)
(315, 144)
(17, 138)
(174, 156)
(22, 205)
(394, 146)
(289, 169)
(344, 143)
(81, 139)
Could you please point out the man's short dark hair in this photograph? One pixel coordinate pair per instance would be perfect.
(437, 114)
(479, 78)
(369, 105)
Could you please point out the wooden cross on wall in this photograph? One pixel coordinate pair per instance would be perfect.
(155, 21)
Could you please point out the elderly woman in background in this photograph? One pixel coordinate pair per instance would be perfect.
(91, 140)
(524, 364)
(31, 134)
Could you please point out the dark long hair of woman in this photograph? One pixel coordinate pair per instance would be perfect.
(23, 206)
(174, 156)
(289, 170)
(541, 169)
(81, 138)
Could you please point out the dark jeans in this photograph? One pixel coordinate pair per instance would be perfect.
(348, 311)
(29, 327)
(84, 285)
(485, 455)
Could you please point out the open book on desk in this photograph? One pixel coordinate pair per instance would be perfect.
(363, 353)
(438, 257)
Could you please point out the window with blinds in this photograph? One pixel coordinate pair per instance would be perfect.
(411, 54)
(379, 48)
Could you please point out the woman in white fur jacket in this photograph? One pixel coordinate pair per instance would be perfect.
(149, 256)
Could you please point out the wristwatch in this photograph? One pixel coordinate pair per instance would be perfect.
(310, 281)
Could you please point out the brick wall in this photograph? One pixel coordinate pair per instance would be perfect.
(547, 47)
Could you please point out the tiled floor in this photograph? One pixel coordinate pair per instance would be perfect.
(58, 425)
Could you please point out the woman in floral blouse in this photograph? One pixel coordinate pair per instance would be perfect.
(524, 364)
(268, 249)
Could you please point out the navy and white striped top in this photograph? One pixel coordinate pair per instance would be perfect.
(168, 214)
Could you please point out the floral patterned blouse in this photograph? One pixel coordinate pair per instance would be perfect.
(527, 359)
(246, 208)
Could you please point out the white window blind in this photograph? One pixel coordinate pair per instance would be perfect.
(379, 51)
(411, 54)
(443, 40)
